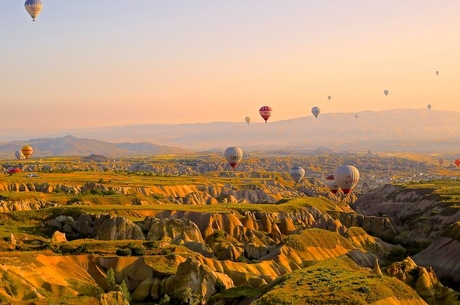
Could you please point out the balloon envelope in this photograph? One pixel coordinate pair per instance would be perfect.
(457, 162)
(428, 106)
(329, 97)
(356, 116)
(346, 177)
(33, 7)
(316, 111)
(297, 173)
(233, 155)
(247, 119)
(13, 170)
(437, 72)
(441, 161)
(19, 155)
(331, 185)
(27, 151)
(265, 112)
(386, 92)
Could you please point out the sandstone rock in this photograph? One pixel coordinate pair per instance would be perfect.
(112, 298)
(58, 238)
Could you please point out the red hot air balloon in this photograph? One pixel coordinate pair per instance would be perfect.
(265, 112)
(457, 162)
(13, 170)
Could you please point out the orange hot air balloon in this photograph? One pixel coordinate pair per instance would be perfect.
(265, 112)
(27, 151)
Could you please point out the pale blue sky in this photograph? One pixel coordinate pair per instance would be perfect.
(94, 63)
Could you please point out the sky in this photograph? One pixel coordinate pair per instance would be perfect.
(87, 63)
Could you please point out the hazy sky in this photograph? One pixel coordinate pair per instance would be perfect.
(91, 63)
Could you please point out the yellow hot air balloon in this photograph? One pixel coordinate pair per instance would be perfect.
(27, 151)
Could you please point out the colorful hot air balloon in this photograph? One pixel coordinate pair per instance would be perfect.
(457, 162)
(346, 177)
(331, 185)
(33, 7)
(386, 92)
(428, 106)
(265, 112)
(247, 119)
(19, 155)
(316, 111)
(233, 155)
(27, 151)
(297, 173)
(441, 161)
(13, 170)
(329, 97)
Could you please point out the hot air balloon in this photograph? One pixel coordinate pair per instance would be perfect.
(27, 151)
(265, 112)
(19, 155)
(331, 185)
(13, 170)
(329, 97)
(441, 161)
(297, 173)
(356, 116)
(437, 72)
(346, 177)
(428, 106)
(457, 162)
(316, 111)
(233, 155)
(386, 92)
(33, 7)
(247, 119)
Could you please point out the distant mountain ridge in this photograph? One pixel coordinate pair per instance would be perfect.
(417, 130)
(389, 130)
(73, 146)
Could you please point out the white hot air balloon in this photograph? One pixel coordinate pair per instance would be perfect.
(346, 177)
(233, 155)
(247, 119)
(19, 155)
(33, 7)
(331, 185)
(316, 111)
(428, 106)
(297, 173)
(386, 92)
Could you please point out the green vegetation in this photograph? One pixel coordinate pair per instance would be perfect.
(333, 281)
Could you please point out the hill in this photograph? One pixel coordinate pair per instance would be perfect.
(72, 146)
(391, 130)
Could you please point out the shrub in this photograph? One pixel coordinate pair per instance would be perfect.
(124, 252)
(110, 280)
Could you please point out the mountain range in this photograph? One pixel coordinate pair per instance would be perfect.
(416, 130)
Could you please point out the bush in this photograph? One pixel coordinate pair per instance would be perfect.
(124, 252)
(137, 251)
(110, 280)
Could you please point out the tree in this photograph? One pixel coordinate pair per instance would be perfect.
(110, 280)
(125, 291)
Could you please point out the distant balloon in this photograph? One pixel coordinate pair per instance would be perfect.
(331, 185)
(13, 170)
(457, 162)
(265, 112)
(247, 119)
(316, 111)
(27, 151)
(297, 173)
(346, 177)
(356, 116)
(19, 155)
(233, 155)
(441, 161)
(437, 72)
(386, 92)
(33, 7)
(428, 106)
(329, 97)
